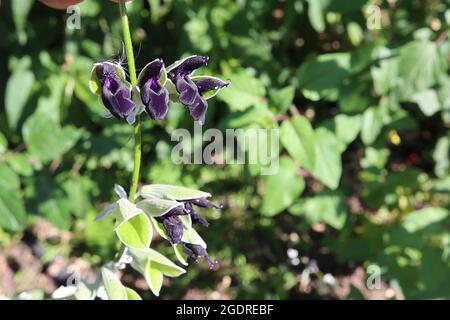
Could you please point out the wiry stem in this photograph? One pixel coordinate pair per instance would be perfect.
(133, 78)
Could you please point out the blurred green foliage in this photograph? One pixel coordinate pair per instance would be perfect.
(360, 91)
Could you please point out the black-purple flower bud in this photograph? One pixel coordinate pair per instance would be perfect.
(195, 252)
(191, 92)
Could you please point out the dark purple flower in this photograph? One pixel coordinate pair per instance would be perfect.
(195, 216)
(191, 91)
(202, 203)
(195, 251)
(115, 93)
(173, 226)
(154, 95)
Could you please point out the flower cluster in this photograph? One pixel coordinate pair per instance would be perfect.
(168, 209)
(156, 86)
(174, 226)
(173, 213)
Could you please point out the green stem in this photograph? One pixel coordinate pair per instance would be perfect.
(127, 40)
(133, 78)
(137, 158)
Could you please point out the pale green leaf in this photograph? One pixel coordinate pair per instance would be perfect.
(422, 218)
(420, 67)
(46, 140)
(316, 14)
(321, 78)
(427, 101)
(372, 124)
(135, 232)
(12, 210)
(283, 98)
(181, 256)
(154, 278)
(20, 10)
(441, 156)
(192, 236)
(328, 164)
(246, 91)
(297, 136)
(18, 90)
(132, 295)
(282, 188)
(114, 288)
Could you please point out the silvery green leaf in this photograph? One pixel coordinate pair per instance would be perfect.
(187, 221)
(127, 209)
(181, 256)
(166, 191)
(169, 270)
(159, 228)
(94, 82)
(153, 266)
(106, 211)
(157, 257)
(114, 288)
(142, 256)
(154, 278)
(191, 236)
(132, 295)
(155, 207)
(120, 191)
(134, 227)
(135, 232)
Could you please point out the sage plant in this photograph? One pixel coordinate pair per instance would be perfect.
(168, 209)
